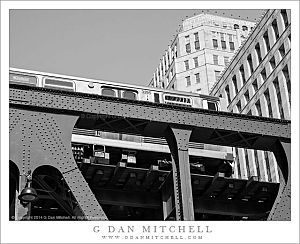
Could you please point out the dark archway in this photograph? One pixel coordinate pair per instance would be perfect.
(55, 200)
(14, 174)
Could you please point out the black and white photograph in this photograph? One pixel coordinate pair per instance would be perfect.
(168, 122)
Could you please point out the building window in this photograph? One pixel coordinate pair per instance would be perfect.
(284, 17)
(196, 36)
(266, 39)
(223, 44)
(226, 61)
(250, 63)
(188, 80)
(235, 84)
(264, 74)
(188, 47)
(217, 75)
(257, 163)
(275, 29)
(186, 63)
(244, 28)
(230, 38)
(228, 94)
(285, 72)
(254, 85)
(222, 36)
(215, 58)
(257, 49)
(215, 43)
(242, 72)
(247, 162)
(197, 78)
(246, 95)
(239, 106)
(196, 62)
(268, 166)
(231, 46)
(238, 162)
(236, 26)
(278, 94)
(258, 108)
(272, 63)
(268, 100)
(282, 51)
(197, 45)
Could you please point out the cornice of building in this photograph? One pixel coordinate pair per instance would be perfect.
(218, 17)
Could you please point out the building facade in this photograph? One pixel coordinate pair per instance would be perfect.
(257, 82)
(200, 51)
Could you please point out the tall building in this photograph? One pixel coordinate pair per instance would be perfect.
(200, 51)
(257, 82)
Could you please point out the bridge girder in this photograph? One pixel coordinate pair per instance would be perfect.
(44, 111)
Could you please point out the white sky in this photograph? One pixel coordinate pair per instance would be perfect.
(116, 45)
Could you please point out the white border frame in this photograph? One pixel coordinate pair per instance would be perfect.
(82, 232)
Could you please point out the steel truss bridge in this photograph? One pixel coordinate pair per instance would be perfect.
(41, 125)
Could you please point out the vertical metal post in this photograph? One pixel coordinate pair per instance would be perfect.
(167, 197)
(281, 209)
(23, 211)
(178, 139)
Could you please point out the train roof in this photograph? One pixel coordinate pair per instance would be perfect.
(34, 72)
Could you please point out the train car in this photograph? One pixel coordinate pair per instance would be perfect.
(114, 89)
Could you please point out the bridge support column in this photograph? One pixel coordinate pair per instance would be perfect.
(178, 139)
(281, 209)
(42, 138)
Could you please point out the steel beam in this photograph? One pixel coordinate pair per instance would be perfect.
(178, 140)
(281, 209)
(119, 170)
(217, 182)
(42, 130)
(59, 199)
(231, 207)
(150, 176)
(140, 199)
(40, 138)
(75, 103)
(167, 192)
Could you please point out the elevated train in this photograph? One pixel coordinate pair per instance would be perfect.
(114, 89)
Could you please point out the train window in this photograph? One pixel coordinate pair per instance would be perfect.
(59, 84)
(129, 95)
(177, 100)
(156, 97)
(19, 78)
(108, 92)
(212, 106)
